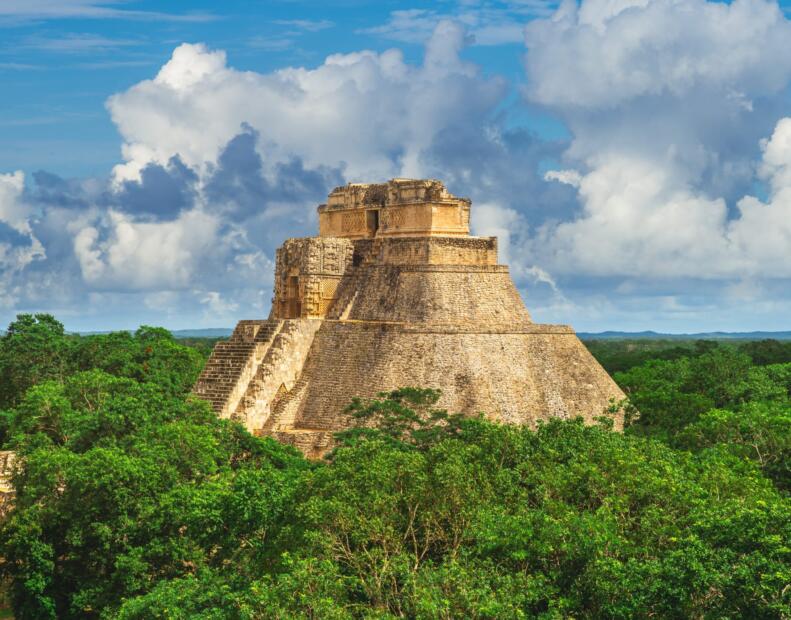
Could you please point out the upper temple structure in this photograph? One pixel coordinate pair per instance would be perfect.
(394, 292)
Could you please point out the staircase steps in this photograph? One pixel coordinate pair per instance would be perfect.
(228, 362)
(347, 293)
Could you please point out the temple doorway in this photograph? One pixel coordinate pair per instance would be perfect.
(292, 295)
(373, 221)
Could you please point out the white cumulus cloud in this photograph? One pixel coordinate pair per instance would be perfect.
(670, 104)
(369, 113)
(15, 255)
(607, 52)
(145, 255)
(220, 165)
(13, 211)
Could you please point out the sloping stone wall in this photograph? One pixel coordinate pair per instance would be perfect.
(448, 294)
(515, 376)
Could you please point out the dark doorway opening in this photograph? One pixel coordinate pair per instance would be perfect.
(292, 295)
(373, 221)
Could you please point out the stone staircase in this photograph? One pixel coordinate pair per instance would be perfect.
(277, 373)
(345, 295)
(233, 363)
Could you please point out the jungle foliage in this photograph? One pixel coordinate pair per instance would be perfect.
(134, 501)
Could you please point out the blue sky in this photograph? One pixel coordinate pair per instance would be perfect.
(634, 156)
(57, 72)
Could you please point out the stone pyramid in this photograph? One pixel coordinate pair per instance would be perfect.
(394, 292)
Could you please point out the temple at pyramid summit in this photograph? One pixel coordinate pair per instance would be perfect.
(394, 292)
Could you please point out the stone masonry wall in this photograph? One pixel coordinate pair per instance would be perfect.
(471, 295)
(516, 376)
(433, 251)
(400, 207)
(7, 461)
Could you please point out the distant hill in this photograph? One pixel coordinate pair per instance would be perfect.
(212, 332)
(225, 332)
(651, 335)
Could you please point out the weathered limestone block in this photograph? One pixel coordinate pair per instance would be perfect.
(7, 461)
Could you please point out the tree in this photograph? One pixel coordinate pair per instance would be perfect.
(34, 348)
(150, 355)
(657, 390)
(765, 352)
(135, 501)
(722, 374)
(758, 431)
(122, 485)
(499, 521)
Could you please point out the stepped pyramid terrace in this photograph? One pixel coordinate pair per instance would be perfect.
(394, 292)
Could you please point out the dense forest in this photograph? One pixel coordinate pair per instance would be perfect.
(134, 501)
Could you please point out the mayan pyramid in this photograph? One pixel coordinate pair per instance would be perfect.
(394, 292)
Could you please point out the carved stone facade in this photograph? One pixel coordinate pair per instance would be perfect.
(307, 274)
(393, 300)
(399, 208)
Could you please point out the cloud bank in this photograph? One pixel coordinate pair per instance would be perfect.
(669, 205)
(680, 145)
(219, 166)
(369, 114)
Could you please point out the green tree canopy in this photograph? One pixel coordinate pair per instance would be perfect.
(133, 500)
(33, 349)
